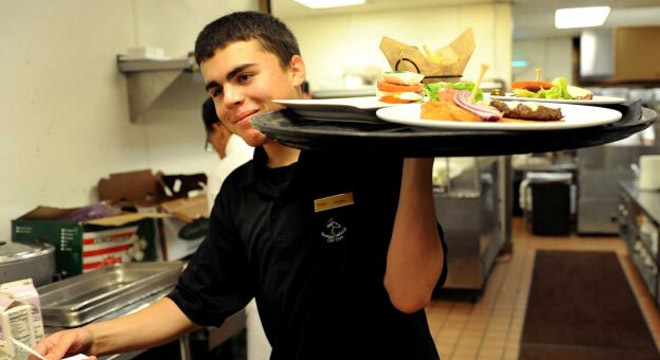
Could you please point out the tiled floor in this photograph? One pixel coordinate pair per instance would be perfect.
(491, 327)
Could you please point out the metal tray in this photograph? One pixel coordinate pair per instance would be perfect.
(289, 129)
(84, 298)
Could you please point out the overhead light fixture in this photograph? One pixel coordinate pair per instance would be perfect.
(322, 4)
(581, 17)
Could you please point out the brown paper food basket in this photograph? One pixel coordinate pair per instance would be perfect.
(404, 57)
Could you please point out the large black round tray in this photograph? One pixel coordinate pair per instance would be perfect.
(289, 129)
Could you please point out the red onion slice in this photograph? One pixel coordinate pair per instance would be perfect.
(487, 113)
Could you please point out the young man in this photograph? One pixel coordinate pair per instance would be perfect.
(341, 252)
(233, 152)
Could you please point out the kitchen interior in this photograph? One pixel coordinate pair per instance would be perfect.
(101, 104)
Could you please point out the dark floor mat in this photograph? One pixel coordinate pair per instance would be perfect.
(582, 307)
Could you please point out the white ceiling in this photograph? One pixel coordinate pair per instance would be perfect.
(532, 18)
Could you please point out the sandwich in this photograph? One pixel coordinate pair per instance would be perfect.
(400, 87)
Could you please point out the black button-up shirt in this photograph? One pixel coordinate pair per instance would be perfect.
(317, 276)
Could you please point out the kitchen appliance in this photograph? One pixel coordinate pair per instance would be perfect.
(649, 172)
(600, 169)
(596, 54)
(470, 207)
(20, 261)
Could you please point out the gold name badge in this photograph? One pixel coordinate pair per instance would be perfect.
(333, 202)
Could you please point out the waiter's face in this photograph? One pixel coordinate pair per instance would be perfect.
(243, 78)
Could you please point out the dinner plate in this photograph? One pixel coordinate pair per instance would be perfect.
(597, 100)
(575, 116)
(358, 109)
(362, 103)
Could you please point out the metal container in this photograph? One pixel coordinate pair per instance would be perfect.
(20, 261)
(86, 297)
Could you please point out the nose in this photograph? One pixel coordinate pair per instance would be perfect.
(233, 96)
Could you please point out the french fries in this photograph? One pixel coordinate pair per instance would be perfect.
(441, 56)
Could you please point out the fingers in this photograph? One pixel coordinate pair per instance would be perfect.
(44, 346)
(61, 347)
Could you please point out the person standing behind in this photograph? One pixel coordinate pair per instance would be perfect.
(233, 152)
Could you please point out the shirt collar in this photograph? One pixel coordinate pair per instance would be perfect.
(258, 166)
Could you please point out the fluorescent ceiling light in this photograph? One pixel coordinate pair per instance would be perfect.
(320, 4)
(581, 17)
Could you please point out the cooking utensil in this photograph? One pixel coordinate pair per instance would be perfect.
(20, 261)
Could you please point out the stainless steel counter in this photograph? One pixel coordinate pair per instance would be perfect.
(648, 201)
(639, 219)
(217, 336)
(601, 168)
(129, 309)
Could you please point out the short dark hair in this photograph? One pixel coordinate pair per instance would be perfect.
(271, 33)
(209, 115)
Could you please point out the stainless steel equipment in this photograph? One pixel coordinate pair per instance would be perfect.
(600, 169)
(20, 261)
(639, 218)
(86, 297)
(473, 213)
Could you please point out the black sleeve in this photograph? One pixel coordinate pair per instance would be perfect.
(443, 275)
(215, 284)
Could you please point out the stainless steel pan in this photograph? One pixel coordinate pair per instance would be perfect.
(84, 298)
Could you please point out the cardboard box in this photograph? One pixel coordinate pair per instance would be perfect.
(83, 245)
(182, 233)
(25, 292)
(180, 199)
(20, 318)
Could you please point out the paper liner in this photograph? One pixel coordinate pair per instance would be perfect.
(404, 57)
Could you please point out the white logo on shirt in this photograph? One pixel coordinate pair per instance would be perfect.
(336, 231)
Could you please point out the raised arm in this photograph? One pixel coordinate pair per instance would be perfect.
(415, 257)
(157, 324)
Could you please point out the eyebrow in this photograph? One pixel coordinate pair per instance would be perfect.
(229, 76)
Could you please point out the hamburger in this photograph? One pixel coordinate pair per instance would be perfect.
(400, 87)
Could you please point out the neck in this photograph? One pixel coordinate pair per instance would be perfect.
(280, 155)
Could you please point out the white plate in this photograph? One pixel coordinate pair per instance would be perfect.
(597, 100)
(352, 109)
(360, 104)
(575, 116)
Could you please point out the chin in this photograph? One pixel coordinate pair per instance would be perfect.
(255, 138)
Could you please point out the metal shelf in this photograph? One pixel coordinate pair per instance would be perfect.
(126, 64)
(149, 79)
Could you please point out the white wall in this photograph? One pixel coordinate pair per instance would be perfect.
(552, 55)
(330, 44)
(63, 103)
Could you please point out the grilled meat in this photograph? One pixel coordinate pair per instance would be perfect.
(528, 111)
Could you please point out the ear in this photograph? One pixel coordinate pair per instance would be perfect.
(297, 70)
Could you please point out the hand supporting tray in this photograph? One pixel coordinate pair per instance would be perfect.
(387, 138)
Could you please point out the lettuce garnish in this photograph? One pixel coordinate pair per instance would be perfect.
(559, 90)
(431, 90)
